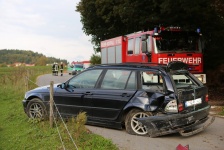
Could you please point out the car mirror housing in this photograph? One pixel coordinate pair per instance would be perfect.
(62, 86)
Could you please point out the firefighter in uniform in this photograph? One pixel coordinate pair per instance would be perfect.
(56, 69)
(53, 69)
(61, 68)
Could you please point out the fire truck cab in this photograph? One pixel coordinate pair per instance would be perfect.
(160, 45)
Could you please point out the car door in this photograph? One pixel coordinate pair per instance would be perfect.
(153, 84)
(115, 90)
(76, 96)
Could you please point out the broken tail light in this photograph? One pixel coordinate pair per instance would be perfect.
(206, 98)
(171, 106)
(180, 107)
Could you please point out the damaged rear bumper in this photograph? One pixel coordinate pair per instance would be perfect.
(186, 124)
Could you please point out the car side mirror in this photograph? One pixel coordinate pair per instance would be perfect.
(62, 86)
(144, 37)
(130, 51)
(144, 47)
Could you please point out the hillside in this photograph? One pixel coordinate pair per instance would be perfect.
(11, 56)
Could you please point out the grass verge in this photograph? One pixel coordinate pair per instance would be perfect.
(222, 112)
(19, 132)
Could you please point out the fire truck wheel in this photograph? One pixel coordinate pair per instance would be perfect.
(131, 123)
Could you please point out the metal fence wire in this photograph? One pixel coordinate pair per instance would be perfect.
(54, 118)
(65, 128)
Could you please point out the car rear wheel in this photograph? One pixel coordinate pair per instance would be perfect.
(133, 126)
(36, 109)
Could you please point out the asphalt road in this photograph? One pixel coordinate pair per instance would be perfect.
(210, 139)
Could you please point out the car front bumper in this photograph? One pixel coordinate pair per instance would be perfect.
(24, 102)
(186, 124)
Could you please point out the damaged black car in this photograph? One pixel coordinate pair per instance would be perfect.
(144, 98)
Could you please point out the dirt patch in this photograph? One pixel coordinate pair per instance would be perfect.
(216, 100)
(216, 96)
(216, 110)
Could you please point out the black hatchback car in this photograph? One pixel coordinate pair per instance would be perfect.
(144, 98)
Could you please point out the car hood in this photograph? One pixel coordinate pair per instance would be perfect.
(43, 89)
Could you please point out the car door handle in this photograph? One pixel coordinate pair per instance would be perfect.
(125, 94)
(88, 93)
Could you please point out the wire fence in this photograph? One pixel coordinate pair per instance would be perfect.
(65, 127)
(27, 78)
(55, 120)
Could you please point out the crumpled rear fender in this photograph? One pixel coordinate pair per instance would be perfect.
(167, 124)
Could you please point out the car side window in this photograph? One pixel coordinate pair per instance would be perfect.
(152, 81)
(86, 79)
(115, 79)
(132, 81)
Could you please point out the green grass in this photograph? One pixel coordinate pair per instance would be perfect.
(17, 131)
(222, 112)
(5, 70)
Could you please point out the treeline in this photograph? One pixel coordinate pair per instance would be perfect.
(11, 56)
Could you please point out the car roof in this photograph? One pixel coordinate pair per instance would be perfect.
(134, 65)
(171, 66)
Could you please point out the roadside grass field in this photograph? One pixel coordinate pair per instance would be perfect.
(17, 131)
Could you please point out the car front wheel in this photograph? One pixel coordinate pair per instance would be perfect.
(133, 126)
(36, 109)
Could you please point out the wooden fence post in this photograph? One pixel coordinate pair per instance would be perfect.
(26, 83)
(51, 103)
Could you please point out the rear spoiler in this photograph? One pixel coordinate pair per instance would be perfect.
(177, 65)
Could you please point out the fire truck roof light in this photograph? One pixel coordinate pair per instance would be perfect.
(198, 30)
(175, 28)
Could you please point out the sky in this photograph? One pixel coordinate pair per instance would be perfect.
(49, 27)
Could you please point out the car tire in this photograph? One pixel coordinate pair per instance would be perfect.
(132, 125)
(74, 73)
(36, 109)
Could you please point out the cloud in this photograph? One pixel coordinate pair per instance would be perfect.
(50, 27)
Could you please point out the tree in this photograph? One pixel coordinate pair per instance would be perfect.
(218, 5)
(41, 61)
(95, 59)
(24, 56)
(104, 19)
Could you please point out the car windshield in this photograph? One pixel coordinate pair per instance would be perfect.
(181, 43)
(78, 66)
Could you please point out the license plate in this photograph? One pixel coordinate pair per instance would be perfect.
(193, 102)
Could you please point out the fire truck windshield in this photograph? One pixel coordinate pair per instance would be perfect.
(177, 43)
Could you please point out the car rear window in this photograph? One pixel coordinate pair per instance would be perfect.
(152, 81)
(182, 80)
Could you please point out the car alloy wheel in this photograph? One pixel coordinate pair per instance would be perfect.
(133, 126)
(36, 109)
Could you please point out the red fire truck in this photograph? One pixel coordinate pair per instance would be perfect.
(160, 45)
